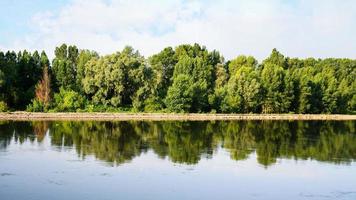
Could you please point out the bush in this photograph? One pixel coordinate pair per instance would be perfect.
(3, 106)
(68, 101)
(35, 106)
(153, 104)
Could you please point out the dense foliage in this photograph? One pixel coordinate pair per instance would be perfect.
(188, 78)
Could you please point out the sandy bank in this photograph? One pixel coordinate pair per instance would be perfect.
(163, 116)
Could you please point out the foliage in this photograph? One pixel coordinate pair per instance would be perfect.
(216, 99)
(162, 65)
(114, 79)
(68, 100)
(187, 78)
(83, 58)
(36, 106)
(43, 89)
(3, 106)
(243, 91)
(180, 95)
(65, 66)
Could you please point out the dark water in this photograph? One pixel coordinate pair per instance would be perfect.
(178, 160)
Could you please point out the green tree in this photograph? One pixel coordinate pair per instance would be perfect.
(28, 73)
(180, 94)
(64, 66)
(243, 91)
(276, 58)
(83, 58)
(199, 66)
(114, 79)
(162, 65)
(272, 78)
(217, 97)
(329, 90)
(241, 61)
(277, 84)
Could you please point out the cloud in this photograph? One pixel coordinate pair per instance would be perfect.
(297, 28)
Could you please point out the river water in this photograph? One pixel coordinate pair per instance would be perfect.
(177, 160)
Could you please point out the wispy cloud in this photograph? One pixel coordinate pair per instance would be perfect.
(297, 28)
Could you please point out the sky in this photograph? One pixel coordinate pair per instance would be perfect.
(297, 28)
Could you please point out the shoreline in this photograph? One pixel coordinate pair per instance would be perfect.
(31, 116)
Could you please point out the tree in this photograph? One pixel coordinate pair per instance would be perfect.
(2, 83)
(162, 65)
(125, 80)
(198, 73)
(216, 98)
(243, 91)
(144, 91)
(64, 66)
(114, 79)
(180, 95)
(83, 58)
(329, 88)
(277, 84)
(10, 88)
(199, 65)
(28, 73)
(3, 105)
(43, 89)
(276, 58)
(241, 61)
(272, 78)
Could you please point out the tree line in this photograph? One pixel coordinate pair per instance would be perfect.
(187, 78)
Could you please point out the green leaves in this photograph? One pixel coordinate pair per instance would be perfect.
(243, 90)
(195, 72)
(3, 106)
(187, 78)
(114, 79)
(68, 101)
(64, 66)
(180, 94)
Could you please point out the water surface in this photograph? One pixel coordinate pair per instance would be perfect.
(178, 160)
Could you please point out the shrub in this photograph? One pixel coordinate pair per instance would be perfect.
(68, 101)
(153, 104)
(3, 106)
(35, 106)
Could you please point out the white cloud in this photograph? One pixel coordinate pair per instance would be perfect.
(298, 28)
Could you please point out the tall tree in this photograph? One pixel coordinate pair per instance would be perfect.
(272, 78)
(64, 66)
(83, 58)
(217, 97)
(244, 91)
(199, 65)
(29, 72)
(113, 80)
(163, 66)
(277, 84)
(43, 89)
(180, 94)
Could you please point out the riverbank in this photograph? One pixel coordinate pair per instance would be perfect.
(29, 116)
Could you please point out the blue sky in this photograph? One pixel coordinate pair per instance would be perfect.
(16, 14)
(298, 28)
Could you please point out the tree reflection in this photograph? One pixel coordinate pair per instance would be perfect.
(187, 142)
